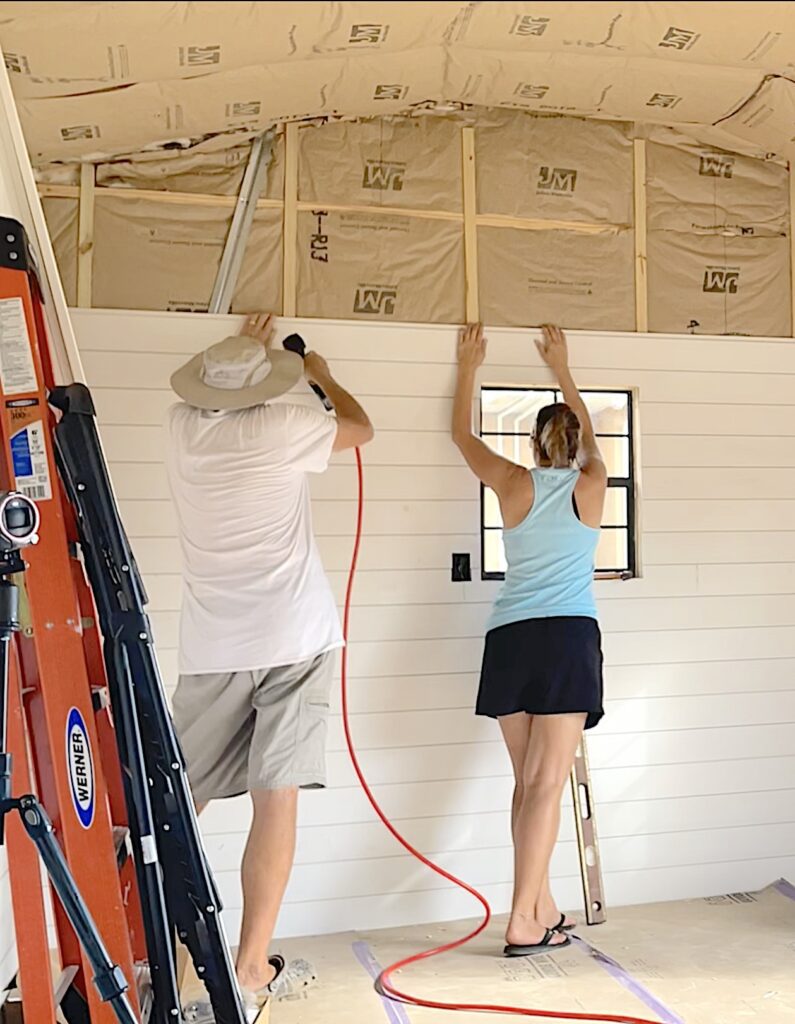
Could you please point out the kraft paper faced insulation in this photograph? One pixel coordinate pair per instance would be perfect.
(168, 97)
(554, 168)
(367, 266)
(151, 256)
(718, 222)
(556, 277)
(138, 74)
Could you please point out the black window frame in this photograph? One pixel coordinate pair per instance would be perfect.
(624, 483)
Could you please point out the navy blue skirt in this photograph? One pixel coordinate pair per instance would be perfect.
(544, 667)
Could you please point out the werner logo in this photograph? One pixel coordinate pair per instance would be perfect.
(383, 176)
(715, 165)
(375, 300)
(81, 768)
(721, 280)
(558, 181)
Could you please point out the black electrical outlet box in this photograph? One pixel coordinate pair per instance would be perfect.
(462, 571)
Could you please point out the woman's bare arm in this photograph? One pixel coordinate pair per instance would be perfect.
(555, 353)
(492, 469)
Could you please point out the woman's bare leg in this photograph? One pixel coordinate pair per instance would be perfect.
(547, 765)
(517, 731)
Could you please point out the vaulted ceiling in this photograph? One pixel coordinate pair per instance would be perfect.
(101, 79)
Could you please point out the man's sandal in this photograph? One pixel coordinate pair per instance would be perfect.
(254, 1001)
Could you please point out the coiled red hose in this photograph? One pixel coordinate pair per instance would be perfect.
(384, 983)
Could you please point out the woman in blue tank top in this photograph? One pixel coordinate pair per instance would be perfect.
(542, 666)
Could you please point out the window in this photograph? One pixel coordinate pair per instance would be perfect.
(507, 419)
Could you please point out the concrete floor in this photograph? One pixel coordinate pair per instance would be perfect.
(726, 960)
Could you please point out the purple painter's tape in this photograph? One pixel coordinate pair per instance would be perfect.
(785, 888)
(393, 1009)
(615, 970)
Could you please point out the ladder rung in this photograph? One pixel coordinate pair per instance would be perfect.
(99, 698)
(143, 983)
(65, 979)
(120, 836)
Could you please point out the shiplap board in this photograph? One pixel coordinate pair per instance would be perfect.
(754, 551)
(421, 483)
(117, 371)
(397, 587)
(417, 449)
(427, 344)
(725, 421)
(152, 517)
(420, 621)
(692, 766)
(482, 861)
(421, 905)
(362, 841)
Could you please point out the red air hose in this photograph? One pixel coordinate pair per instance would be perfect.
(384, 983)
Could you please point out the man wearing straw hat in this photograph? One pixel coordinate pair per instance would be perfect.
(259, 623)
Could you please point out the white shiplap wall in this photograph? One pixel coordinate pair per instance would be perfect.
(693, 766)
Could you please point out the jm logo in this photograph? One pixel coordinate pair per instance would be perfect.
(661, 99)
(527, 25)
(714, 165)
(252, 109)
(199, 56)
(368, 33)
(679, 39)
(79, 131)
(721, 280)
(559, 181)
(17, 63)
(380, 301)
(390, 92)
(529, 91)
(383, 176)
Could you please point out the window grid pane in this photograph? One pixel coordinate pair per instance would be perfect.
(507, 421)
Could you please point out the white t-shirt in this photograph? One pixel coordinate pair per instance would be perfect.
(254, 591)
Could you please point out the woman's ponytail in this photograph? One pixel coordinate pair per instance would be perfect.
(559, 438)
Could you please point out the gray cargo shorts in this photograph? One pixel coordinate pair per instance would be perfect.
(255, 730)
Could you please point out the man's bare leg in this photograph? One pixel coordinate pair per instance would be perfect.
(267, 862)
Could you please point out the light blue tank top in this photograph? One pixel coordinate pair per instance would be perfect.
(550, 556)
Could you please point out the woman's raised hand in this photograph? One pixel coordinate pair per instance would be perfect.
(471, 347)
(553, 348)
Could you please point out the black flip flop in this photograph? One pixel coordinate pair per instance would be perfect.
(544, 946)
(561, 926)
